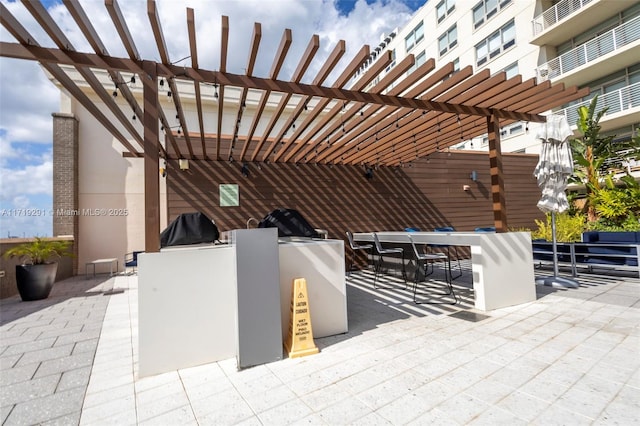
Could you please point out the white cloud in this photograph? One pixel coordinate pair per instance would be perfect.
(30, 180)
(28, 98)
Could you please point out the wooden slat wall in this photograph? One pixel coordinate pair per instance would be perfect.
(339, 198)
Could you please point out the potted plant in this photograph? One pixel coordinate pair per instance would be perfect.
(36, 275)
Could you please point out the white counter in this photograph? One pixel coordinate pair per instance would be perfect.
(188, 302)
(501, 263)
(186, 307)
(321, 264)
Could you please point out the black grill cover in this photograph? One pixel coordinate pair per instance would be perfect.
(189, 228)
(289, 222)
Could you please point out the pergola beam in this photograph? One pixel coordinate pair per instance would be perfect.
(224, 46)
(353, 66)
(193, 47)
(121, 27)
(285, 44)
(253, 53)
(413, 116)
(367, 121)
(303, 65)
(290, 88)
(52, 29)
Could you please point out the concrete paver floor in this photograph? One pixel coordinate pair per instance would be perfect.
(571, 357)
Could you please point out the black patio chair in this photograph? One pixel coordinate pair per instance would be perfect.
(354, 248)
(423, 260)
(382, 251)
(448, 248)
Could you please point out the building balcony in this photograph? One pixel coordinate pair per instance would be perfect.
(623, 108)
(571, 17)
(615, 49)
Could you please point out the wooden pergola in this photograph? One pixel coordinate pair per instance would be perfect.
(382, 119)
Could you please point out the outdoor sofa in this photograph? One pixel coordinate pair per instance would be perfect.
(597, 250)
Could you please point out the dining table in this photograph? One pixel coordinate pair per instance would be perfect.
(502, 265)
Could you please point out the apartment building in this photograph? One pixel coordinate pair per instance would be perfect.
(586, 43)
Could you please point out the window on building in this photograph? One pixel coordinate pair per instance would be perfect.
(444, 8)
(448, 40)
(511, 70)
(486, 9)
(516, 129)
(456, 68)
(393, 61)
(414, 37)
(496, 43)
(421, 58)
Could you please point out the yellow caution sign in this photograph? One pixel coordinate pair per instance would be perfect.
(300, 339)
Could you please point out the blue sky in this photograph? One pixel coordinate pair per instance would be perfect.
(28, 98)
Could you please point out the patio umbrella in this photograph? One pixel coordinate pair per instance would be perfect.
(552, 172)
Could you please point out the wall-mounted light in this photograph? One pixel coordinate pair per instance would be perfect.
(245, 170)
(163, 170)
(368, 174)
(466, 188)
(184, 164)
(474, 175)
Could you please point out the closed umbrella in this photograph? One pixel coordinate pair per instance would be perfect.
(552, 172)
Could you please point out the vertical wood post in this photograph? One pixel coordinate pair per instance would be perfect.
(497, 181)
(151, 159)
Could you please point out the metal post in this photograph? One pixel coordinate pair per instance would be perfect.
(555, 280)
(555, 245)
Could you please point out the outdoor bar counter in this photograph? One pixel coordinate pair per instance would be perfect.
(501, 263)
(206, 303)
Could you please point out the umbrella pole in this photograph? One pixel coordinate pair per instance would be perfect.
(556, 280)
(555, 245)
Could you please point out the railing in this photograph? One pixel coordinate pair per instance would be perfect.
(591, 50)
(555, 14)
(625, 98)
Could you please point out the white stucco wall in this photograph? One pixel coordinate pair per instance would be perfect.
(110, 192)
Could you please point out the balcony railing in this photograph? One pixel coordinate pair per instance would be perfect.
(590, 51)
(620, 100)
(555, 14)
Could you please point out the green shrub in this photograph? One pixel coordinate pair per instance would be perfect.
(39, 251)
(630, 223)
(568, 228)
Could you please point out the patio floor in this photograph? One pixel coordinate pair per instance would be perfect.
(571, 357)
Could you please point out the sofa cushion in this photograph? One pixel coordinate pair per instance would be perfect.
(608, 249)
(590, 237)
(605, 260)
(617, 237)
